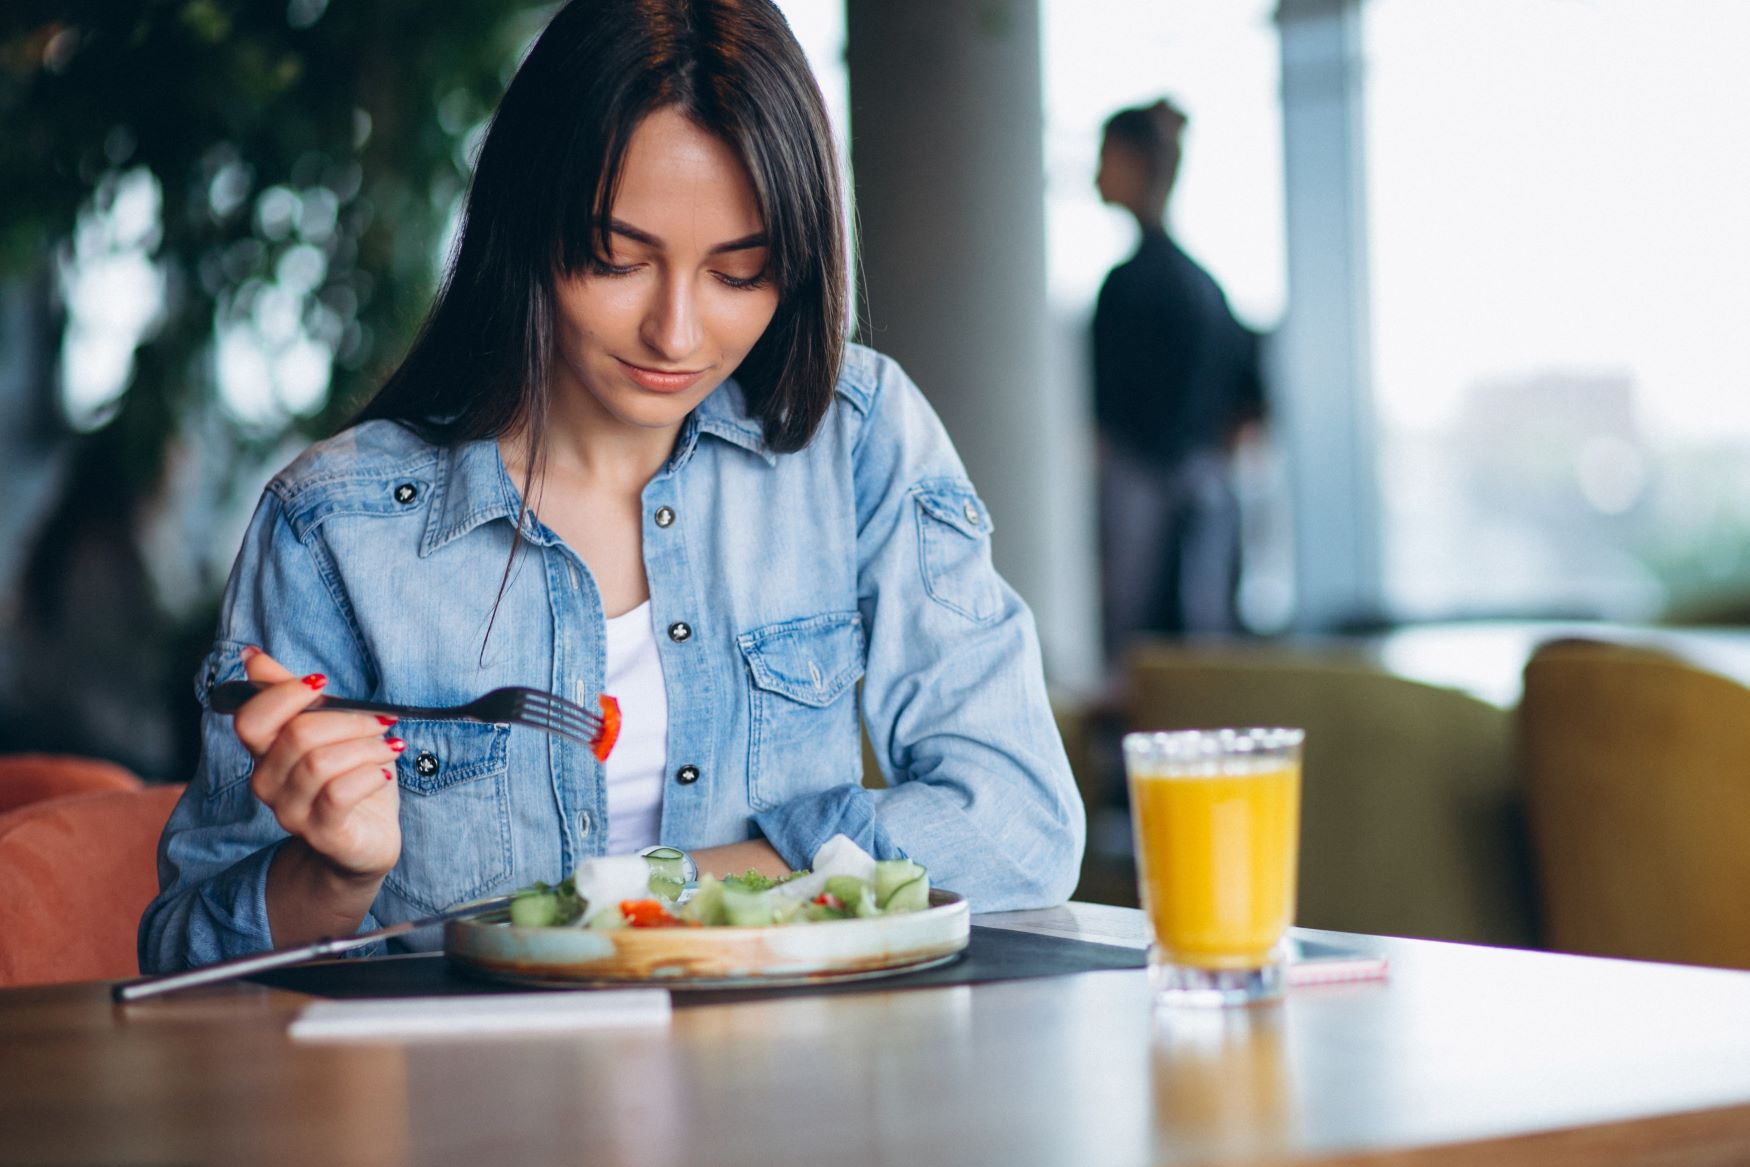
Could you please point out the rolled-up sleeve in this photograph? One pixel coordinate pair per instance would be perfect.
(216, 849)
(978, 789)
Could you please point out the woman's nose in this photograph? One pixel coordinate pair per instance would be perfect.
(671, 326)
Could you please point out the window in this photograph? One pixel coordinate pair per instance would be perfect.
(1560, 269)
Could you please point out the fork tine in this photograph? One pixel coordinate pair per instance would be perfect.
(559, 717)
(554, 700)
(552, 706)
(535, 720)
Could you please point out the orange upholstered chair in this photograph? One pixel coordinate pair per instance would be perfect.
(77, 872)
(26, 778)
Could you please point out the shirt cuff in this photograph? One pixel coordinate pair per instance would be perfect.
(234, 905)
(235, 902)
(798, 828)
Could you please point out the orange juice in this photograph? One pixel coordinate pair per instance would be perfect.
(1216, 855)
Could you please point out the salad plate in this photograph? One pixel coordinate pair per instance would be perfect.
(773, 956)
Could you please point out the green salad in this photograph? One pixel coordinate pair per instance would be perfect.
(653, 896)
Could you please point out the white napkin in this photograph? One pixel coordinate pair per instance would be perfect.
(602, 883)
(482, 1016)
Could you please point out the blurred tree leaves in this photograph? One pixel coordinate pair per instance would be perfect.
(307, 158)
(267, 127)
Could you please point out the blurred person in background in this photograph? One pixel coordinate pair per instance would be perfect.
(1176, 385)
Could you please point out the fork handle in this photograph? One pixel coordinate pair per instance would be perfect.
(229, 697)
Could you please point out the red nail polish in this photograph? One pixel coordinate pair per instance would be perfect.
(388, 775)
(250, 652)
(315, 680)
(395, 744)
(385, 719)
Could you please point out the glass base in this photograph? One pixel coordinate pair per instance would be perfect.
(1213, 988)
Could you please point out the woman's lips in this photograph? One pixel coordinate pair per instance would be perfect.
(661, 381)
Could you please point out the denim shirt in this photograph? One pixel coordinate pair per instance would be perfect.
(777, 583)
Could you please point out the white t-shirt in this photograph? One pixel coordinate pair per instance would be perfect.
(639, 760)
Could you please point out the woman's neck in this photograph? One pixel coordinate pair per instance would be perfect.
(618, 461)
(1151, 219)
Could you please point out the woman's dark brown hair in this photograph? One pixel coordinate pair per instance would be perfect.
(1152, 132)
(545, 181)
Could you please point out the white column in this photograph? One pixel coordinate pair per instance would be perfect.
(1324, 378)
(947, 155)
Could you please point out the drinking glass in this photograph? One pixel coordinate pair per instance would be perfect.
(1217, 820)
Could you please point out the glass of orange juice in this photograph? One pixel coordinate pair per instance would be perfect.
(1217, 820)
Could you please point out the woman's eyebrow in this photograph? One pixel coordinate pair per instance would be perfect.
(636, 235)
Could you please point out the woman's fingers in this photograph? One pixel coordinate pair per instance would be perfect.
(353, 821)
(328, 777)
(259, 722)
(333, 805)
(313, 752)
(258, 666)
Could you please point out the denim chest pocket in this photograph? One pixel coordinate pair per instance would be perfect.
(954, 549)
(802, 723)
(455, 812)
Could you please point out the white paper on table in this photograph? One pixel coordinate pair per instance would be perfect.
(481, 1016)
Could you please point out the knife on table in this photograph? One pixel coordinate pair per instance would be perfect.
(243, 966)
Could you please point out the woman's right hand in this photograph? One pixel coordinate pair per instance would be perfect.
(328, 777)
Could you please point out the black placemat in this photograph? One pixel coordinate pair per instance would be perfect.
(992, 954)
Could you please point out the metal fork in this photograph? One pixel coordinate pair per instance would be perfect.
(512, 705)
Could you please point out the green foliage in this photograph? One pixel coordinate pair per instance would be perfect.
(307, 156)
(268, 127)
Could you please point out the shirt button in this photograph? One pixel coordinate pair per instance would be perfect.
(406, 493)
(687, 775)
(971, 513)
(679, 632)
(664, 516)
(426, 764)
(583, 822)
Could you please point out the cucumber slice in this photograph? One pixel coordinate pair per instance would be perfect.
(814, 913)
(539, 910)
(706, 906)
(745, 908)
(667, 873)
(608, 919)
(910, 897)
(857, 895)
(890, 874)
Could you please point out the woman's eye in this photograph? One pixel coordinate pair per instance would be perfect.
(601, 267)
(754, 281)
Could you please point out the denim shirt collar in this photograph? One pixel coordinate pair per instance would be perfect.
(473, 486)
(723, 415)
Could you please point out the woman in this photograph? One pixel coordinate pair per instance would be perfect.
(630, 452)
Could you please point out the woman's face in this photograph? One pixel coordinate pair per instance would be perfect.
(648, 331)
(1122, 178)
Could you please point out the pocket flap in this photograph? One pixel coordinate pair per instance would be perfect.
(811, 660)
(443, 753)
(956, 504)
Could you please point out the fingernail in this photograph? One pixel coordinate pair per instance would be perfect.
(385, 719)
(388, 775)
(315, 680)
(250, 652)
(395, 744)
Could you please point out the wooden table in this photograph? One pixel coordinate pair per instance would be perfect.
(1546, 1057)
